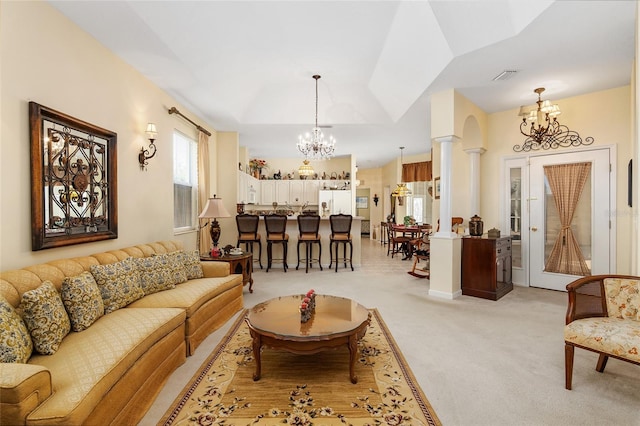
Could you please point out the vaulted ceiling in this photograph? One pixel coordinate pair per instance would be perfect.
(247, 66)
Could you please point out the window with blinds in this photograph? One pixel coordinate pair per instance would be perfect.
(185, 183)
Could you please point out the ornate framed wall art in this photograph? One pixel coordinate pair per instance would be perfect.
(73, 180)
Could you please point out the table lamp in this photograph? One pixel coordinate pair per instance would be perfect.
(214, 209)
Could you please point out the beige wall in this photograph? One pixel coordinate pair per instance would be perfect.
(372, 179)
(49, 60)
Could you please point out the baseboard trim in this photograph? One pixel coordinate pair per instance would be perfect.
(444, 294)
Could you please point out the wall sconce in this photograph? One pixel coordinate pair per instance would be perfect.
(143, 156)
(376, 199)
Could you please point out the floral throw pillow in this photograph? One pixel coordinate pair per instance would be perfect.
(45, 317)
(623, 298)
(81, 296)
(159, 273)
(15, 341)
(190, 261)
(119, 284)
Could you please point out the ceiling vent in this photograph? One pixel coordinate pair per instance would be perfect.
(505, 75)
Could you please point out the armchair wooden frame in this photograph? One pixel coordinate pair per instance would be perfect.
(587, 299)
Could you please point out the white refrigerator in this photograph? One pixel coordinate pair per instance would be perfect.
(338, 201)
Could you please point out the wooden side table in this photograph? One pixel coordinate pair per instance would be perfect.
(238, 264)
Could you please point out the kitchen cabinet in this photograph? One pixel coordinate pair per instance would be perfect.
(267, 192)
(311, 188)
(248, 189)
(486, 267)
(282, 192)
(296, 192)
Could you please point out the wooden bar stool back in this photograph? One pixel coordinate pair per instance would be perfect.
(248, 234)
(341, 234)
(276, 226)
(309, 225)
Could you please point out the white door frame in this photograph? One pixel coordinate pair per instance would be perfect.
(523, 278)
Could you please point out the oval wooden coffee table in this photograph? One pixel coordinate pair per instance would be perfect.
(337, 321)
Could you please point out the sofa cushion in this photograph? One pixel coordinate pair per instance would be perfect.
(45, 317)
(88, 364)
(620, 337)
(623, 298)
(159, 273)
(82, 299)
(119, 283)
(190, 261)
(15, 341)
(189, 296)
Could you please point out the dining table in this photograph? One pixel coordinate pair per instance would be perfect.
(413, 232)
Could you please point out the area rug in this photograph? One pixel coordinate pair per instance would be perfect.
(303, 389)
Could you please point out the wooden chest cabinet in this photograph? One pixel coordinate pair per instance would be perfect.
(486, 267)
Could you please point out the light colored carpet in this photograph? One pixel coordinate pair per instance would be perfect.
(301, 390)
(479, 362)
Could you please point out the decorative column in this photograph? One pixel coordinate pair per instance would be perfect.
(474, 156)
(445, 186)
(446, 246)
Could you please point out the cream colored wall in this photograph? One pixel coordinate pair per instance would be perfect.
(226, 166)
(605, 115)
(372, 179)
(49, 60)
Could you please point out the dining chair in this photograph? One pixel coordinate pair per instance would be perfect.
(248, 235)
(308, 227)
(397, 240)
(276, 226)
(421, 249)
(340, 234)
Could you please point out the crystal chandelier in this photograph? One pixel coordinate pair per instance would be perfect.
(313, 145)
(545, 131)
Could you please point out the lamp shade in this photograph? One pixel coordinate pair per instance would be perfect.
(305, 169)
(401, 190)
(151, 130)
(214, 208)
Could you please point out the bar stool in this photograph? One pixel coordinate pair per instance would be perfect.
(248, 234)
(384, 233)
(308, 225)
(341, 234)
(276, 226)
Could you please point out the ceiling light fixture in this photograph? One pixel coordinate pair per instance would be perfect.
(545, 131)
(401, 190)
(313, 145)
(305, 170)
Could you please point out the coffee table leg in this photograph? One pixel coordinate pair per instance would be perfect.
(257, 344)
(353, 353)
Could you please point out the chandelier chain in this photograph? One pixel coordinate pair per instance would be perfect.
(313, 145)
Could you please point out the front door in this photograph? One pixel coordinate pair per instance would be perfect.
(569, 226)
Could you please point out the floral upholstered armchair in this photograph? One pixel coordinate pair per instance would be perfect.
(603, 316)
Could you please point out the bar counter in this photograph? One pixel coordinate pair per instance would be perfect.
(292, 257)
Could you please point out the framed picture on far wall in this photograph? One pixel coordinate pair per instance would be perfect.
(362, 202)
(436, 188)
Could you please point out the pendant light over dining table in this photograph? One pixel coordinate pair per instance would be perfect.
(313, 145)
(401, 190)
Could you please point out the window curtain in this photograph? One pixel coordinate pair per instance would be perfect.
(204, 238)
(417, 172)
(566, 182)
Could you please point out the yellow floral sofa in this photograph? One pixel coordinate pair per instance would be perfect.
(603, 316)
(106, 359)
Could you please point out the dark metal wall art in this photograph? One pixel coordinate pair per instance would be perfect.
(554, 136)
(73, 173)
